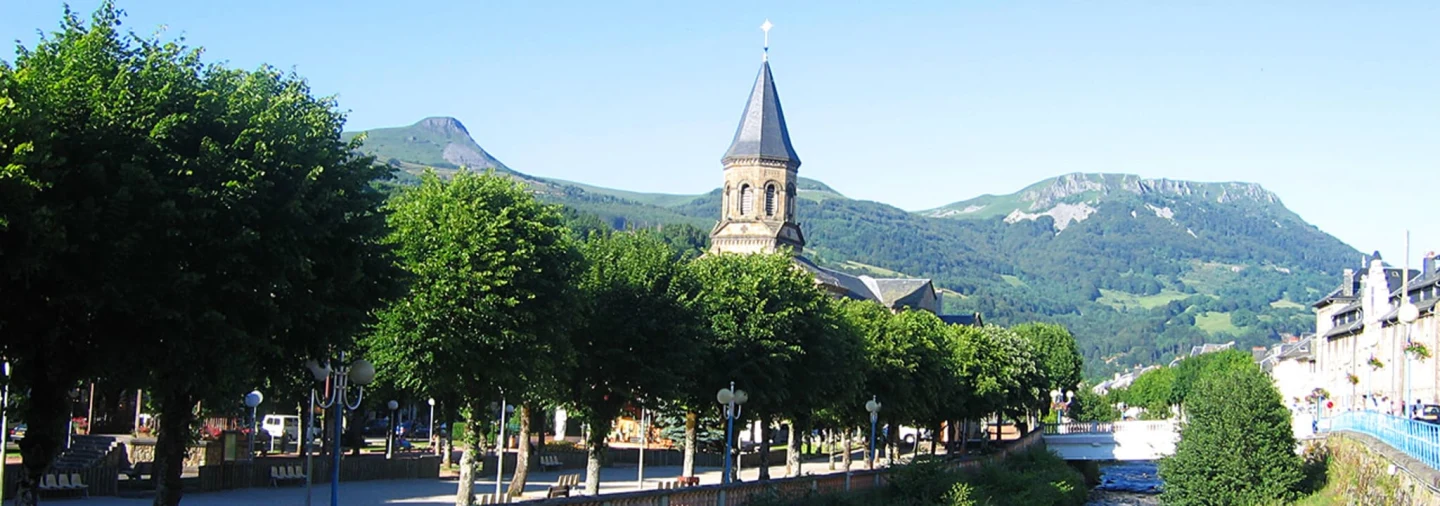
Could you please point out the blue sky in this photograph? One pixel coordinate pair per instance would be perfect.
(1331, 104)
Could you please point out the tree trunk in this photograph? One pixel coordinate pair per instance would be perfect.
(47, 413)
(522, 457)
(764, 448)
(792, 453)
(176, 416)
(935, 436)
(465, 492)
(594, 452)
(829, 444)
(691, 421)
(846, 446)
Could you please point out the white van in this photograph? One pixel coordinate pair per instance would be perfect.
(278, 425)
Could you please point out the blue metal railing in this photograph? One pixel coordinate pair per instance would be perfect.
(1419, 440)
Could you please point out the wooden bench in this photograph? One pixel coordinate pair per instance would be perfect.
(549, 462)
(279, 474)
(490, 499)
(64, 483)
(562, 487)
(688, 481)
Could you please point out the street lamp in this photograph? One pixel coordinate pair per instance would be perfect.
(4, 425)
(733, 400)
(500, 445)
(253, 400)
(390, 437)
(1407, 314)
(872, 406)
(434, 440)
(359, 372)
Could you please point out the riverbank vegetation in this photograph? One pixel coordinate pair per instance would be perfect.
(1032, 478)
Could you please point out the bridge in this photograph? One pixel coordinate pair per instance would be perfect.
(1129, 440)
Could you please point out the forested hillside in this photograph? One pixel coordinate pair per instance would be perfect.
(1139, 269)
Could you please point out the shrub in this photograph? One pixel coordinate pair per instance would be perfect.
(1236, 447)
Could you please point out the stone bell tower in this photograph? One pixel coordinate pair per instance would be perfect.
(757, 209)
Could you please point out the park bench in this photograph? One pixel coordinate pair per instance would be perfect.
(64, 483)
(688, 481)
(562, 487)
(490, 499)
(549, 462)
(279, 474)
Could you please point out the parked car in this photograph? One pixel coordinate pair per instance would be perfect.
(1429, 413)
(376, 427)
(17, 432)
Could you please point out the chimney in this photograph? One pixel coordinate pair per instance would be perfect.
(1427, 266)
(1347, 283)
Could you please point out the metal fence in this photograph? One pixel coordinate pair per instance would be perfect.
(1419, 440)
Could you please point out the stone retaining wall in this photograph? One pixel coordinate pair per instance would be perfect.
(1380, 474)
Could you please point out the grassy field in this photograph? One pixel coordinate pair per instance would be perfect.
(1215, 322)
(1013, 280)
(1123, 300)
(1283, 303)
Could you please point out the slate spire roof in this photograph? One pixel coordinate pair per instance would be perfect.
(762, 131)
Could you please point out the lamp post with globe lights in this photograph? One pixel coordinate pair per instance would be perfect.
(361, 373)
(1407, 314)
(390, 437)
(873, 407)
(733, 400)
(505, 411)
(434, 440)
(252, 401)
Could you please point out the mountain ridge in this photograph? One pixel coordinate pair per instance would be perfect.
(1139, 268)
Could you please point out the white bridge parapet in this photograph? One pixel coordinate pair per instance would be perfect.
(1129, 440)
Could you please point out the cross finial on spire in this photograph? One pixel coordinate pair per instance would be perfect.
(766, 26)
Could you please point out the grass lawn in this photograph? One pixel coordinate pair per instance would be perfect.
(1124, 300)
(1013, 280)
(1284, 303)
(1215, 322)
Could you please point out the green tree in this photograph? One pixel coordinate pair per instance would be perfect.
(490, 299)
(1190, 371)
(761, 310)
(1056, 352)
(172, 225)
(1153, 391)
(1236, 446)
(639, 336)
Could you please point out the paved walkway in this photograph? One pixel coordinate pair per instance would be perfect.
(620, 478)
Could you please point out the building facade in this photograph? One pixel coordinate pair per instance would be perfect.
(1361, 341)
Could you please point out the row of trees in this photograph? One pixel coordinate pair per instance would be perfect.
(505, 301)
(198, 231)
(174, 226)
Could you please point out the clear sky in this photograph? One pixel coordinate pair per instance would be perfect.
(1331, 104)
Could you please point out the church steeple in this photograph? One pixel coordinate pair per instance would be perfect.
(758, 204)
(762, 132)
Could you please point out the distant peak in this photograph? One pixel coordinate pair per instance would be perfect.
(443, 124)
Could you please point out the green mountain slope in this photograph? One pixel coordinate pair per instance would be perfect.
(1140, 269)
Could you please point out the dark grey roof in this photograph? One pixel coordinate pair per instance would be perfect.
(962, 319)
(854, 287)
(902, 292)
(762, 131)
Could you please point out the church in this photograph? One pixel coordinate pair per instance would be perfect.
(757, 210)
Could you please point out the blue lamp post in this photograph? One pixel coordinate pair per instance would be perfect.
(732, 399)
(872, 406)
(252, 401)
(360, 373)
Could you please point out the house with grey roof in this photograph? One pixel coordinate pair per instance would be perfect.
(1364, 347)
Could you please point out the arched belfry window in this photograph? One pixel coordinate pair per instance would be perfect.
(747, 200)
(770, 199)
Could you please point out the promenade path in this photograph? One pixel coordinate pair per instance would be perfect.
(620, 478)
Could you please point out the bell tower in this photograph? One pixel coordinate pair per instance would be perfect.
(757, 205)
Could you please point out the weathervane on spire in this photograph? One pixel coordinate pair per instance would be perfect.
(766, 26)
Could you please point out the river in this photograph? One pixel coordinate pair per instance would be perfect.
(1127, 484)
